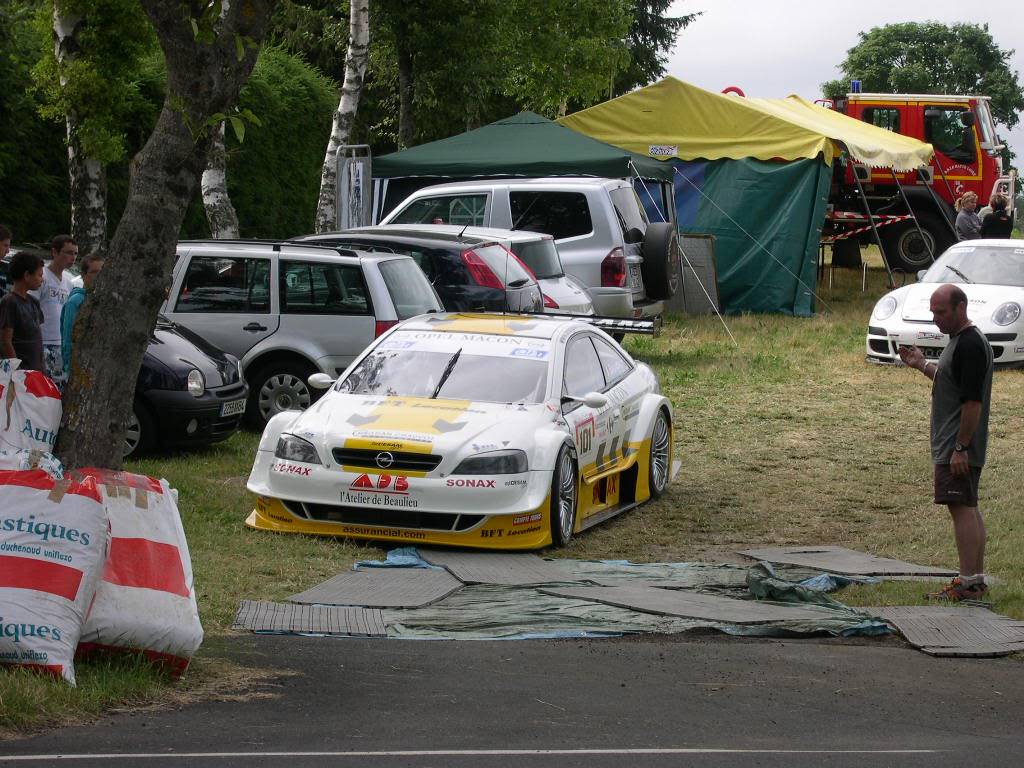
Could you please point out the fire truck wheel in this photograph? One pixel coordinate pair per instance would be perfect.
(846, 253)
(907, 251)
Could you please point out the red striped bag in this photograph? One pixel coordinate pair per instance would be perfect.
(30, 409)
(53, 543)
(145, 601)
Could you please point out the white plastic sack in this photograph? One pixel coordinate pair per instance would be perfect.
(28, 458)
(30, 409)
(53, 543)
(145, 600)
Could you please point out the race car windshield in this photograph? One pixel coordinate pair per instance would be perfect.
(416, 373)
(979, 264)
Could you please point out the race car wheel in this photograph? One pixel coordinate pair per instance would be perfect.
(660, 268)
(139, 432)
(279, 387)
(563, 497)
(661, 453)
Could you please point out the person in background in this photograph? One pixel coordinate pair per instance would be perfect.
(54, 292)
(21, 317)
(998, 223)
(5, 241)
(968, 225)
(91, 266)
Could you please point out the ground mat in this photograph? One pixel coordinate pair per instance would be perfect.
(309, 619)
(692, 605)
(382, 588)
(955, 630)
(497, 568)
(845, 561)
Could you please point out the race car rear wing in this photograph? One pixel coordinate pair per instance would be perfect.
(651, 327)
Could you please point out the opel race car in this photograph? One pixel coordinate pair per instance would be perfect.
(492, 431)
(990, 272)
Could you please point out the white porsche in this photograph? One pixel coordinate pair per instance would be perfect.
(990, 272)
(494, 431)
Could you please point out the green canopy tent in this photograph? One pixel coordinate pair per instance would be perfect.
(525, 145)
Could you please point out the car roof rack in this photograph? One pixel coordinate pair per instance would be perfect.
(276, 243)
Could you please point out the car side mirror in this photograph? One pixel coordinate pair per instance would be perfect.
(320, 381)
(595, 400)
(634, 235)
(920, 274)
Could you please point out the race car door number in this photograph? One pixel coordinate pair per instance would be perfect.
(233, 407)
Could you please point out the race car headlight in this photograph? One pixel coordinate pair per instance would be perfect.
(884, 308)
(1006, 313)
(195, 383)
(493, 463)
(295, 448)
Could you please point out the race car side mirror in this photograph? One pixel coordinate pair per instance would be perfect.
(320, 381)
(593, 400)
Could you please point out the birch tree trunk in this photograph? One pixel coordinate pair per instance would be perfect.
(205, 72)
(87, 177)
(344, 115)
(220, 213)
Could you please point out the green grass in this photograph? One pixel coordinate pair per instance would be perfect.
(789, 437)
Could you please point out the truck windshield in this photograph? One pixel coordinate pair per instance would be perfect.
(985, 123)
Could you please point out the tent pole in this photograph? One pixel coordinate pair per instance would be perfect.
(931, 254)
(874, 229)
(945, 181)
(935, 199)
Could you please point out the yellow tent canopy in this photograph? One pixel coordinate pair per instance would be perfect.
(673, 119)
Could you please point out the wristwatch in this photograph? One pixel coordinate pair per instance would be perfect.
(960, 447)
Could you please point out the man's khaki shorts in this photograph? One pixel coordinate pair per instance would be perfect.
(961, 490)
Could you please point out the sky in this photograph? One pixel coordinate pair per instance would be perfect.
(772, 48)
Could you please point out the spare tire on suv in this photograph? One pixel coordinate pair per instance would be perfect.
(660, 268)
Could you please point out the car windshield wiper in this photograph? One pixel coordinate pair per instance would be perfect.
(958, 273)
(447, 372)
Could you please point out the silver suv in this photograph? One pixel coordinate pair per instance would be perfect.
(629, 265)
(288, 311)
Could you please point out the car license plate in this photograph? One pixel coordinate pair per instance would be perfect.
(634, 277)
(233, 408)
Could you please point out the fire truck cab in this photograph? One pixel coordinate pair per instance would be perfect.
(967, 158)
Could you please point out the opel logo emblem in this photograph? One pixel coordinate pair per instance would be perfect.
(385, 459)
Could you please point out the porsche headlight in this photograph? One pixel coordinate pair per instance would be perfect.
(884, 308)
(294, 448)
(493, 463)
(1006, 313)
(195, 384)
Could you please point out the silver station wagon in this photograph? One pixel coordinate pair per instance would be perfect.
(288, 311)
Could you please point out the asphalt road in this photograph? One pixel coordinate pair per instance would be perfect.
(705, 700)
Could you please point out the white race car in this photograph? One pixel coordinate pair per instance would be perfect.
(990, 272)
(495, 431)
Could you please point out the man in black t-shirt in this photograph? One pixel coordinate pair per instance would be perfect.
(961, 392)
(21, 317)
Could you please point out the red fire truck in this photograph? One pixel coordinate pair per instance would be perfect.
(967, 158)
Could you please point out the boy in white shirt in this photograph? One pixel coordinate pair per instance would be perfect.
(52, 295)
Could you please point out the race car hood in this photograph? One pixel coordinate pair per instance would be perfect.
(982, 300)
(448, 428)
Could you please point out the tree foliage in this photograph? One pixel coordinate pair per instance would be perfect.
(99, 82)
(652, 35)
(929, 57)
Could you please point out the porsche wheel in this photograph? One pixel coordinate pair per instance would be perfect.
(661, 454)
(563, 497)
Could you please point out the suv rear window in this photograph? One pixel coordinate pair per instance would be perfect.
(410, 291)
(541, 256)
(214, 284)
(319, 288)
(447, 209)
(627, 204)
(559, 214)
(501, 263)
